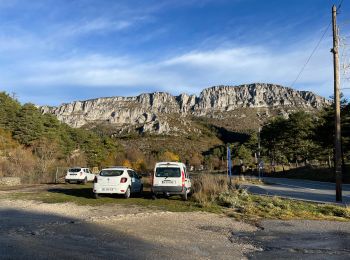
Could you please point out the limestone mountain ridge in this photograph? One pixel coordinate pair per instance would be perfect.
(163, 113)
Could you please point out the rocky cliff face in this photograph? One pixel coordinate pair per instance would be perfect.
(151, 112)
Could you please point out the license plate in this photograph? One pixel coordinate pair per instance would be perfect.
(167, 182)
(72, 174)
(108, 189)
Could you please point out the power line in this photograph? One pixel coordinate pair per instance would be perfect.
(314, 50)
(312, 53)
(339, 5)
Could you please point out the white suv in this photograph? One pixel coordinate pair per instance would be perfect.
(171, 178)
(79, 175)
(117, 180)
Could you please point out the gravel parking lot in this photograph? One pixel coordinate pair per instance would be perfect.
(37, 230)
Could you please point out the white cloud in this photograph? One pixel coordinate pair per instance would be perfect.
(99, 25)
(189, 72)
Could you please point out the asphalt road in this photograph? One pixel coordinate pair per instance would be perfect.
(300, 189)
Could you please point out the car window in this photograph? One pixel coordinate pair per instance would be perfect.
(74, 170)
(130, 173)
(111, 172)
(169, 172)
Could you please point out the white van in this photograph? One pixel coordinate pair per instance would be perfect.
(171, 178)
(79, 175)
(117, 180)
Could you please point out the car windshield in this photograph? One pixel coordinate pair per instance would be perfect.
(74, 170)
(111, 172)
(171, 172)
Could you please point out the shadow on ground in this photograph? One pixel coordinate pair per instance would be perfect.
(29, 235)
(88, 193)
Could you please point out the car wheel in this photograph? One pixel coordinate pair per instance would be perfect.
(184, 196)
(189, 194)
(127, 193)
(96, 195)
(141, 189)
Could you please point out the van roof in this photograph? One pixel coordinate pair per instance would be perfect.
(170, 164)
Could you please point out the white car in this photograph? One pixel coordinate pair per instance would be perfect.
(117, 180)
(171, 178)
(79, 175)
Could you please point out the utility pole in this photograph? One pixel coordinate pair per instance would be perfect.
(337, 137)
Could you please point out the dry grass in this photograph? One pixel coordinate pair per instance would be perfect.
(207, 187)
(212, 190)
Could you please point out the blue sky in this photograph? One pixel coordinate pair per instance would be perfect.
(55, 51)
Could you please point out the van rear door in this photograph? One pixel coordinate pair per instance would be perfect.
(168, 176)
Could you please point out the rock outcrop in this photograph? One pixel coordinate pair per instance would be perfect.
(148, 112)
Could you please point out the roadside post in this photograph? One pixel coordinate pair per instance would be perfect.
(229, 166)
(259, 159)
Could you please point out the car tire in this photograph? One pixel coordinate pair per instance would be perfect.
(96, 196)
(154, 196)
(84, 181)
(141, 189)
(127, 193)
(184, 196)
(189, 194)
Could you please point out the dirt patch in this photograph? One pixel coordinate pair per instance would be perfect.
(159, 234)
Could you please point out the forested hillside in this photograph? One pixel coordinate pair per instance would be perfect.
(33, 145)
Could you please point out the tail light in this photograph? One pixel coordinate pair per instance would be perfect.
(183, 179)
(123, 180)
(95, 180)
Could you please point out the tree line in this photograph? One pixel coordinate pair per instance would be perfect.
(302, 137)
(32, 143)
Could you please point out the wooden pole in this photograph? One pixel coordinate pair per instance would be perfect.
(337, 137)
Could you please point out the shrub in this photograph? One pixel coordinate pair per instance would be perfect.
(207, 188)
(229, 200)
(19, 163)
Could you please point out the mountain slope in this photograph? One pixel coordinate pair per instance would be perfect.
(162, 113)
